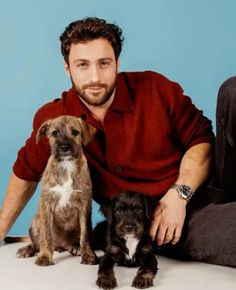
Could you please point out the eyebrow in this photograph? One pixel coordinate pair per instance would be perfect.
(86, 60)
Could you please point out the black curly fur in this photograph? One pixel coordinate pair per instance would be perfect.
(128, 214)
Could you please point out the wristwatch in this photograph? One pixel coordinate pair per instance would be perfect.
(184, 191)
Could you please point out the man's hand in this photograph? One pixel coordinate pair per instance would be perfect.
(170, 213)
(17, 195)
(168, 218)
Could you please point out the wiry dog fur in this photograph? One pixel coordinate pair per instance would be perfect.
(128, 242)
(63, 220)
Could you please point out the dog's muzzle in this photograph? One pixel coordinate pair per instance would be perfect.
(66, 149)
(130, 227)
(127, 229)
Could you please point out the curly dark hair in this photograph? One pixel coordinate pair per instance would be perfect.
(88, 29)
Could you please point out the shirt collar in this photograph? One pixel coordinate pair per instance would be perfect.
(123, 101)
(73, 104)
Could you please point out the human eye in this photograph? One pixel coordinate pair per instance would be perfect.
(82, 65)
(105, 63)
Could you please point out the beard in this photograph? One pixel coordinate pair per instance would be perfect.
(95, 98)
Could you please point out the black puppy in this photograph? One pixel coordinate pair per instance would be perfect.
(128, 242)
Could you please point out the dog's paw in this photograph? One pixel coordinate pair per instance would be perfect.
(43, 261)
(59, 249)
(25, 252)
(89, 259)
(142, 282)
(106, 282)
(74, 250)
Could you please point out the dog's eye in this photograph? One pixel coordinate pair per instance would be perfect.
(74, 132)
(119, 211)
(138, 210)
(54, 133)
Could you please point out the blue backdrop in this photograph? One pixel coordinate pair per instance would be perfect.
(191, 42)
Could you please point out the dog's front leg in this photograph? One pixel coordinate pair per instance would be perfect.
(45, 256)
(106, 276)
(87, 254)
(146, 272)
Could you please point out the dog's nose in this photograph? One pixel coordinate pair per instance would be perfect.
(64, 147)
(130, 227)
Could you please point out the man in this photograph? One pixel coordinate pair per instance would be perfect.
(150, 138)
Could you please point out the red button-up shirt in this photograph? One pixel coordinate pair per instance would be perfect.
(145, 134)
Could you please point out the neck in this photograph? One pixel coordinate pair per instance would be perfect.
(99, 112)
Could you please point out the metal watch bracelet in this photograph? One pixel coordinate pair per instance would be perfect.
(184, 191)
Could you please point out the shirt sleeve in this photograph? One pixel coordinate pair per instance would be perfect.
(189, 126)
(33, 156)
(32, 159)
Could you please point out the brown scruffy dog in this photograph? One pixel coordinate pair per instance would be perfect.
(63, 220)
(128, 219)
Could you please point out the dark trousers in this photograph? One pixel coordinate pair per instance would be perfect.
(209, 233)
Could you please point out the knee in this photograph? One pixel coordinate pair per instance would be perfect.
(227, 91)
(226, 110)
(211, 235)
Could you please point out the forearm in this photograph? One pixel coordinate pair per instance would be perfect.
(170, 213)
(195, 166)
(17, 195)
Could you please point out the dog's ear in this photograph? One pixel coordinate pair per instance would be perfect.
(42, 131)
(106, 209)
(150, 206)
(88, 131)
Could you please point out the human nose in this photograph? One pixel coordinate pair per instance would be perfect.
(95, 77)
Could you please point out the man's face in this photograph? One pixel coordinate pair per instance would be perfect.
(93, 70)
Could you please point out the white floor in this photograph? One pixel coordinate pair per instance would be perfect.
(69, 274)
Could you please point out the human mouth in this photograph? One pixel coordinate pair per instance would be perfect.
(94, 88)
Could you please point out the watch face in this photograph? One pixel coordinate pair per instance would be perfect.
(185, 191)
(184, 194)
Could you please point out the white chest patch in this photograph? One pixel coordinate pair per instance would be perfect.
(131, 244)
(68, 165)
(65, 190)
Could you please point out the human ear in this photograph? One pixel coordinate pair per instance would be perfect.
(67, 68)
(118, 64)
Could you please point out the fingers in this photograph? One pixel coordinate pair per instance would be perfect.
(165, 227)
(159, 231)
(176, 235)
(169, 236)
(162, 234)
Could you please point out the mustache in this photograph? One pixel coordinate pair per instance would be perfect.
(94, 85)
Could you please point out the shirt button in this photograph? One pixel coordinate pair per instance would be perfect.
(118, 169)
